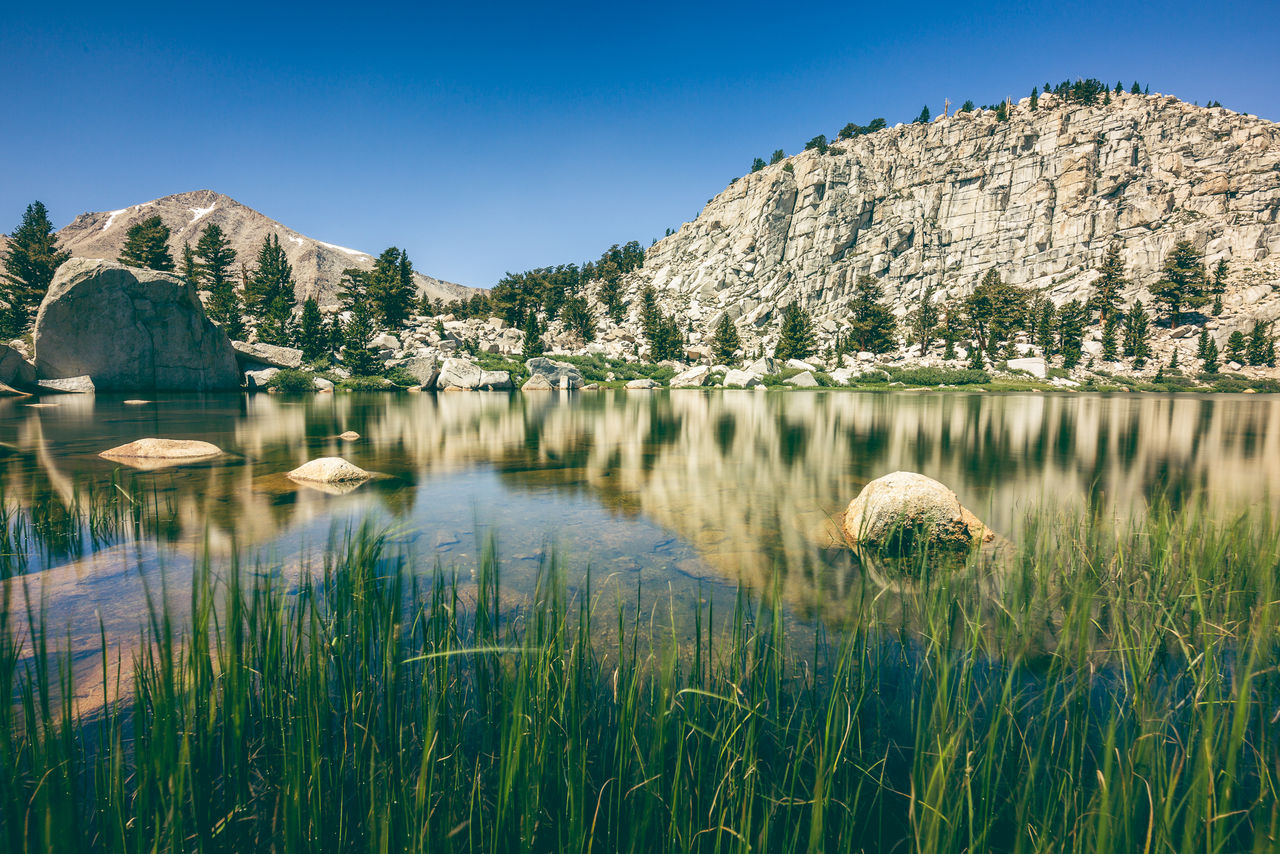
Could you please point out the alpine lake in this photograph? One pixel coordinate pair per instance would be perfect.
(667, 495)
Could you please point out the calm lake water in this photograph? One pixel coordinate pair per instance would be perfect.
(672, 491)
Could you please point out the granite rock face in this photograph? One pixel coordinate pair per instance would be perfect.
(1039, 197)
(130, 329)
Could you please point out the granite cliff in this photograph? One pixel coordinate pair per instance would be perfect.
(1039, 197)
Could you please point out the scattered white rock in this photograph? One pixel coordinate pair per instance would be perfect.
(329, 470)
(163, 449)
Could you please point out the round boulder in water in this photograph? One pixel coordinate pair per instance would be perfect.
(905, 508)
(329, 470)
(163, 449)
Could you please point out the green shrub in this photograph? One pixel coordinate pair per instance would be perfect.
(938, 376)
(368, 384)
(292, 381)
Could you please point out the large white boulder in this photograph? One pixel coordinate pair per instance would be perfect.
(15, 370)
(424, 369)
(555, 372)
(741, 379)
(254, 356)
(912, 506)
(459, 373)
(804, 379)
(1034, 365)
(130, 329)
(695, 377)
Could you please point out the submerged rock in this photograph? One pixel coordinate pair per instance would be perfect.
(163, 449)
(909, 506)
(349, 436)
(130, 329)
(329, 470)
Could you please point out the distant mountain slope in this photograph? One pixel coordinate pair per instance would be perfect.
(317, 266)
(1039, 198)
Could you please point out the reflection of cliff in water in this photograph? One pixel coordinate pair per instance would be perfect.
(751, 479)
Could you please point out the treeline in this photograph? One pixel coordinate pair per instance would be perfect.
(1079, 91)
(536, 297)
(991, 317)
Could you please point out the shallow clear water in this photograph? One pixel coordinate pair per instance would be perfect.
(675, 490)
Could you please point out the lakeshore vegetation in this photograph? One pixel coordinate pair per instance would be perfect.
(1102, 686)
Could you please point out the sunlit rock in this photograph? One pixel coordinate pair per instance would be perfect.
(156, 453)
(329, 470)
(906, 506)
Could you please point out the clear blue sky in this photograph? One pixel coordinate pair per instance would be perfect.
(486, 137)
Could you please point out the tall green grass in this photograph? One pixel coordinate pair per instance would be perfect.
(1100, 688)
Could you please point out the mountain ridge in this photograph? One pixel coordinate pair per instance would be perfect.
(317, 265)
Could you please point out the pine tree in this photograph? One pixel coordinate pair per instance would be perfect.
(1219, 286)
(966, 107)
(270, 294)
(357, 357)
(533, 344)
(146, 244)
(29, 264)
(577, 317)
(1109, 284)
(1208, 352)
(1136, 327)
(924, 116)
(1136, 90)
(1035, 97)
(871, 323)
(649, 314)
(1261, 349)
(725, 344)
(1110, 333)
(757, 164)
(391, 289)
(217, 256)
(1182, 282)
(923, 321)
(1046, 326)
(1071, 322)
(994, 308)
(667, 343)
(953, 328)
(190, 268)
(1002, 112)
(976, 361)
(777, 157)
(1236, 347)
(312, 339)
(795, 338)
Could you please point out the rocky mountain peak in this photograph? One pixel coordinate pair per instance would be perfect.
(317, 265)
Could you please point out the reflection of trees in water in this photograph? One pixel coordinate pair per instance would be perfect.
(750, 478)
